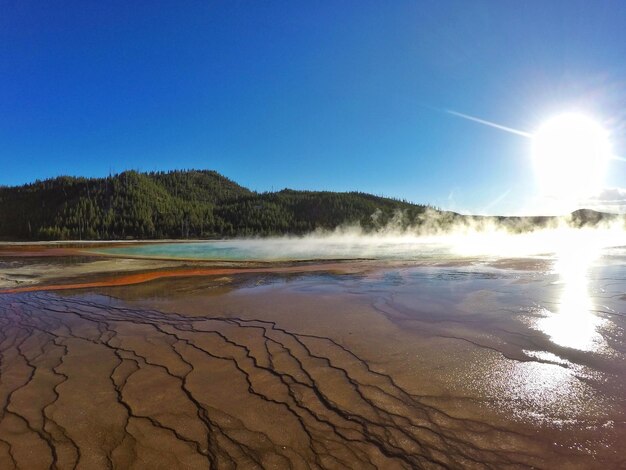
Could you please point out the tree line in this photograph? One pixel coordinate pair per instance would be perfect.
(181, 204)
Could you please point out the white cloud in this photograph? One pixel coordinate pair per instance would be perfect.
(609, 200)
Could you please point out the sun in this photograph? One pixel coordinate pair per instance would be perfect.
(570, 153)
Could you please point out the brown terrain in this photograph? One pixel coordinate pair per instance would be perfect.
(313, 366)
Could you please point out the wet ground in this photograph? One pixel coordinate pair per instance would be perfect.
(475, 365)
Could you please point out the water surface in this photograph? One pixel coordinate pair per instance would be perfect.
(484, 363)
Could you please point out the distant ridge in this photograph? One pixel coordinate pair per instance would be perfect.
(205, 204)
(178, 204)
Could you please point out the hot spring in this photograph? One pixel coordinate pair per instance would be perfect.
(349, 246)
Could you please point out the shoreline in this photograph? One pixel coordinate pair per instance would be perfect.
(104, 242)
(46, 266)
(142, 277)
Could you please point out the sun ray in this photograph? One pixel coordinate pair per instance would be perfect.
(490, 124)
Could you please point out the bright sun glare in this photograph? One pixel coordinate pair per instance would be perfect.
(571, 154)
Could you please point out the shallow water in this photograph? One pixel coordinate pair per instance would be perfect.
(398, 248)
(476, 364)
(287, 249)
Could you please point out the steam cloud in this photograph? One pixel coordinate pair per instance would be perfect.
(440, 235)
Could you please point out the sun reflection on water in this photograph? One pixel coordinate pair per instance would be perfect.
(573, 324)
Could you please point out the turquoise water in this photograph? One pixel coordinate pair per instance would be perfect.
(291, 249)
(402, 248)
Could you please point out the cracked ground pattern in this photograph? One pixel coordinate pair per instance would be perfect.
(90, 381)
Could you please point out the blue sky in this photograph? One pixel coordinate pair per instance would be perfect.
(308, 95)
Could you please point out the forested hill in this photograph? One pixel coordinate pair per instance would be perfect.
(179, 204)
